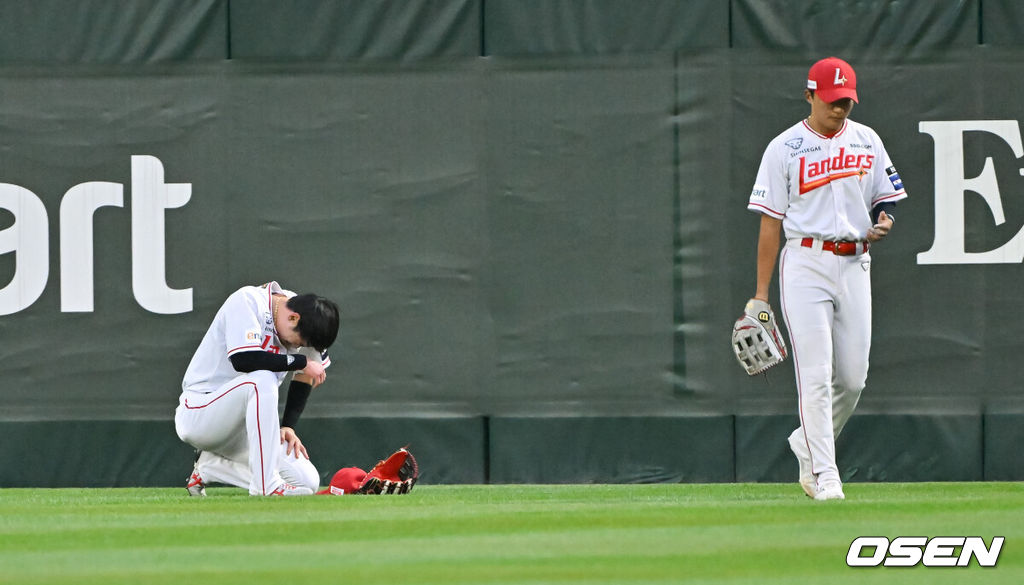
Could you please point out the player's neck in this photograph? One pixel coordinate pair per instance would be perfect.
(827, 132)
(278, 299)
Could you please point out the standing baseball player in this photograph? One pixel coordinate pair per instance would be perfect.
(827, 181)
(228, 408)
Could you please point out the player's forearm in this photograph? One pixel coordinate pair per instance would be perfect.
(768, 241)
(889, 207)
(251, 361)
(298, 394)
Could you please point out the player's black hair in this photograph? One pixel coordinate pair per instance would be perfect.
(318, 319)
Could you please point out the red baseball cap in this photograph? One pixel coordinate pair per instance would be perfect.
(345, 481)
(833, 79)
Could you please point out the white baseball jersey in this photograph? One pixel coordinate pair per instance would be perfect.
(825, 187)
(245, 322)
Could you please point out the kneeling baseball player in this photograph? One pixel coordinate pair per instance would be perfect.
(228, 409)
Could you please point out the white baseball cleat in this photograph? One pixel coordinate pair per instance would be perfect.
(287, 489)
(195, 485)
(807, 479)
(830, 490)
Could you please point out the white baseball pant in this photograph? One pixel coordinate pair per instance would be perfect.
(826, 303)
(238, 431)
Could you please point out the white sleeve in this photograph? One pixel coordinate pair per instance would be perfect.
(888, 186)
(242, 328)
(770, 194)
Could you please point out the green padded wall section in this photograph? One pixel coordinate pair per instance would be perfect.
(602, 27)
(762, 454)
(112, 31)
(872, 447)
(1003, 456)
(127, 453)
(912, 447)
(612, 449)
(577, 276)
(509, 449)
(93, 453)
(856, 27)
(1002, 22)
(449, 449)
(354, 30)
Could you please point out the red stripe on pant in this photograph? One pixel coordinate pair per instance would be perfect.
(259, 432)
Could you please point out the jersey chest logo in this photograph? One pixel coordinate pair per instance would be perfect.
(815, 174)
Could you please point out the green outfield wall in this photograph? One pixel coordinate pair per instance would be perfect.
(532, 214)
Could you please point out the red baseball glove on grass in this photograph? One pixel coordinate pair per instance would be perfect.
(392, 476)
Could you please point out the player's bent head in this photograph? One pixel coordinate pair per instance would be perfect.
(318, 319)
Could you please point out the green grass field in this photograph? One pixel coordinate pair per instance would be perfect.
(609, 534)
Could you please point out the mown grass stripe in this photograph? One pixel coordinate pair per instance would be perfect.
(594, 534)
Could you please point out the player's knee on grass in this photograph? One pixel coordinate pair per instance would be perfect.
(299, 472)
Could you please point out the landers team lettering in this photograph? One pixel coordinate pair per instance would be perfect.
(820, 173)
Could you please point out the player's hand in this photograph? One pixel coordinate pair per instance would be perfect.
(880, 229)
(295, 445)
(315, 373)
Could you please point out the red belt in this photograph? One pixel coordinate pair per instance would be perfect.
(838, 248)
